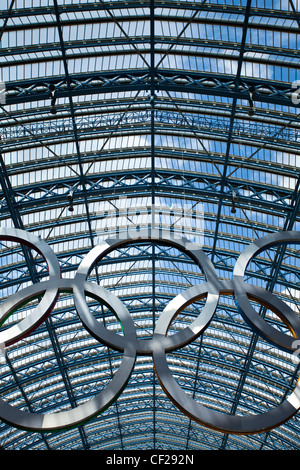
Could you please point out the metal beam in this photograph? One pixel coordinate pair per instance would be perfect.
(180, 5)
(266, 91)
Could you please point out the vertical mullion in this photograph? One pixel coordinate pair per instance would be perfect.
(152, 104)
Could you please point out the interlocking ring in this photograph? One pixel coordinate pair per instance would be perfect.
(28, 324)
(49, 290)
(160, 343)
(145, 346)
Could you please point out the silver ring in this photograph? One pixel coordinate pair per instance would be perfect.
(214, 419)
(288, 316)
(44, 422)
(39, 313)
(145, 346)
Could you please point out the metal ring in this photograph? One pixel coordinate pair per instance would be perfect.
(214, 419)
(288, 316)
(39, 313)
(144, 346)
(41, 422)
(188, 334)
(98, 331)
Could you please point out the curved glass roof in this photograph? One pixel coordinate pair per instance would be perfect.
(108, 110)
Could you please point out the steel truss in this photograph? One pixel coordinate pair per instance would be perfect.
(271, 92)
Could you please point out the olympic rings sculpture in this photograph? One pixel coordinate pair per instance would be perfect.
(160, 343)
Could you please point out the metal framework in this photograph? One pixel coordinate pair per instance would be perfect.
(114, 108)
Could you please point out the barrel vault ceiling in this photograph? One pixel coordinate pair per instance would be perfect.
(111, 108)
